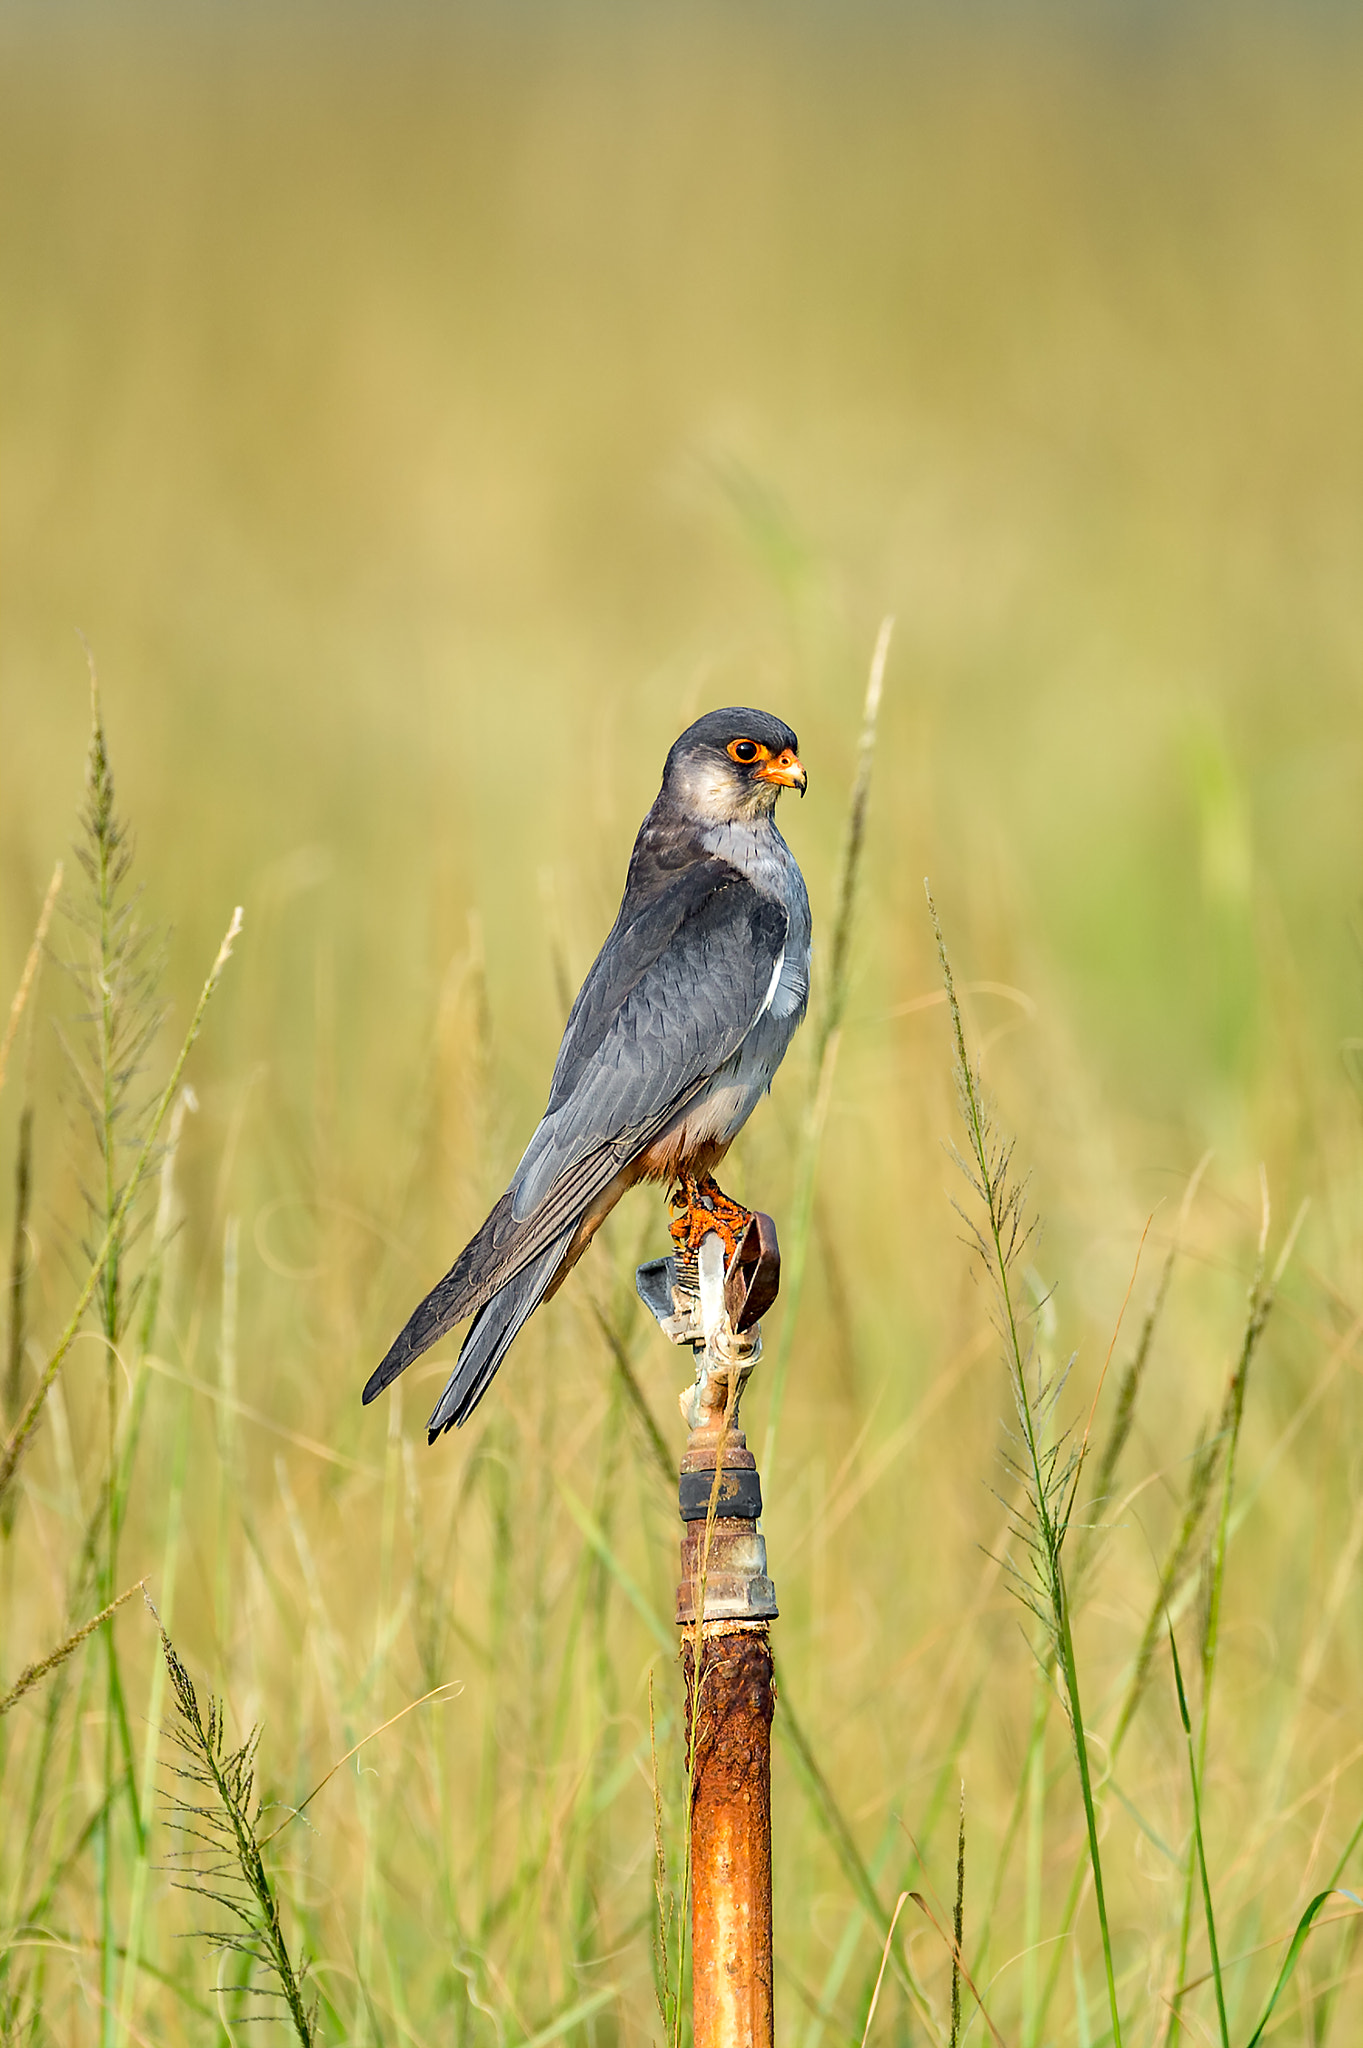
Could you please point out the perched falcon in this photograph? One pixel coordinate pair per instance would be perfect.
(673, 1038)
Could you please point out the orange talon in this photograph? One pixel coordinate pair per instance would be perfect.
(701, 1205)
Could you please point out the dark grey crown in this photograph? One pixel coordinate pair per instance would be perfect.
(713, 733)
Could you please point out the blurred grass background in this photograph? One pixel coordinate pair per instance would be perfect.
(424, 415)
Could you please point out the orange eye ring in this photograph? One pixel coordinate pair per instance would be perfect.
(745, 752)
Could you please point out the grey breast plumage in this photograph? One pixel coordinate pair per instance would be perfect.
(760, 853)
(689, 1005)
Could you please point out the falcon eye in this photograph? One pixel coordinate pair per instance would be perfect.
(746, 750)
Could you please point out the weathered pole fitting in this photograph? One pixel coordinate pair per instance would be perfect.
(724, 1582)
(722, 1550)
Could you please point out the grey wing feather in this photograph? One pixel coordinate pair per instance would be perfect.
(684, 1015)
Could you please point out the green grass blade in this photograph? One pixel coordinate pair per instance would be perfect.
(628, 1584)
(1295, 1947)
(1208, 1913)
(572, 2018)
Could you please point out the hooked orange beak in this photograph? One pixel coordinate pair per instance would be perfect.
(786, 769)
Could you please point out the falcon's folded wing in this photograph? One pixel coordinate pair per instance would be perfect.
(673, 993)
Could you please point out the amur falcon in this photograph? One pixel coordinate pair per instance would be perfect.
(673, 1039)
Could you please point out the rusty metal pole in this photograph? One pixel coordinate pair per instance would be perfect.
(725, 1606)
(729, 1708)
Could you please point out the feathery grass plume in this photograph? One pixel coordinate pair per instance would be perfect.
(117, 975)
(33, 1674)
(118, 981)
(1048, 1472)
(222, 1862)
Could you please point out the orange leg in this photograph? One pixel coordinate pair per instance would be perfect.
(699, 1205)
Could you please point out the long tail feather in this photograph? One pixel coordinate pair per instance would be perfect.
(495, 1327)
(505, 1247)
(448, 1302)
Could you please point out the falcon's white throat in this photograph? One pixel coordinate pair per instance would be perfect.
(716, 795)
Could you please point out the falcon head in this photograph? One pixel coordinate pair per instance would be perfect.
(733, 764)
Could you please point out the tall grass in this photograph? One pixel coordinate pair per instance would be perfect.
(426, 418)
(219, 1817)
(1047, 1470)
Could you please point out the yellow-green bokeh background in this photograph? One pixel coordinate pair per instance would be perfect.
(424, 414)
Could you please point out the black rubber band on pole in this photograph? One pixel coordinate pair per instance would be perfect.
(740, 1495)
